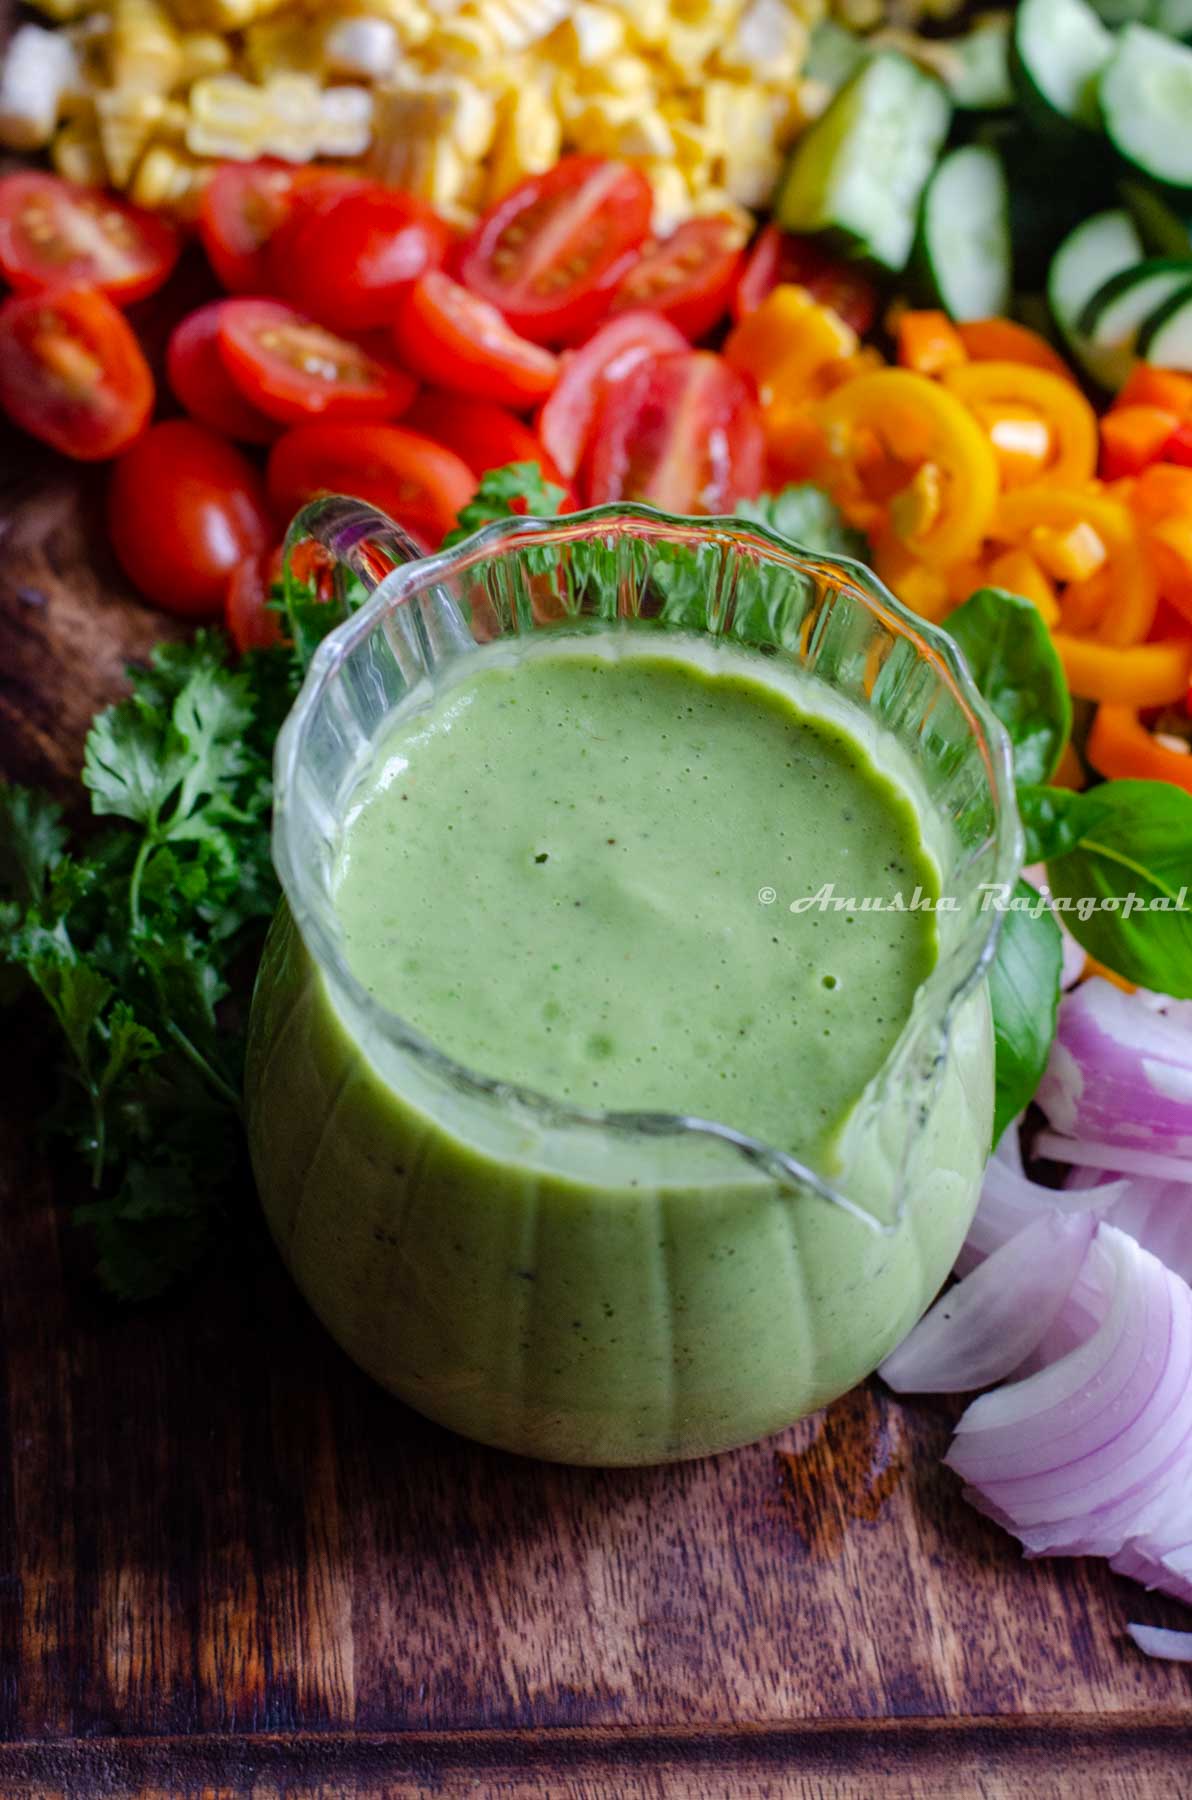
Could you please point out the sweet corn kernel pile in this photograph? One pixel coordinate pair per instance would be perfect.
(455, 100)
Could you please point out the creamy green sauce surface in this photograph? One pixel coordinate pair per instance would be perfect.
(554, 874)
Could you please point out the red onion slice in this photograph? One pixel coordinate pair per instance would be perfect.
(1116, 1158)
(1120, 1072)
(1010, 1200)
(1077, 1458)
(1172, 1646)
(1165, 1566)
(986, 1326)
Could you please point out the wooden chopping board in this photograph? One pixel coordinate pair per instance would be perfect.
(229, 1565)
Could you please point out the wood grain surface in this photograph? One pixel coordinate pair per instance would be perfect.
(229, 1565)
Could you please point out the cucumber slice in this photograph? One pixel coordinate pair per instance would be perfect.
(978, 69)
(964, 235)
(1172, 16)
(1146, 97)
(1060, 48)
(1163, 230)
(1084, 262)
(861, 169)
(834, 54)
(1166, 338)
(1121, 306)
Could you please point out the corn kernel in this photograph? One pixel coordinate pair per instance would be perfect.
(769, 43)
(345, 116)
(360, 46)
(165, 177)
(527, 141)
(646, 134)
(672, 197)
(648, 21)
(591, 34)
(291, 112)
(626, 75)
(227, 118)
(411, 20)
(38, 73)
(126, 122)
(77, 154)
(203, 53)
(516, 24)
(283, 46)
(144, 48)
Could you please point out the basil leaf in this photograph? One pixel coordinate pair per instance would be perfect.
(1024, 992)
(1018, 673)
(1128, 843)
(1049, 822)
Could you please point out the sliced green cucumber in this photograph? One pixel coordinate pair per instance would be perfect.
(978, 68)
(1164, 230)
(964, 234)
(834, 54)
(1172, 16)
(1146, 98)
(1059, 50)
(1166, 338)
(1084, 262)
(861, 169)
(1121, 306)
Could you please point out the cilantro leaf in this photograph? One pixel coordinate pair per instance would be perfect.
(505, 493)
(809, 517)
(32, 841)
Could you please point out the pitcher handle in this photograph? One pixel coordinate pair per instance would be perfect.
(354, 535)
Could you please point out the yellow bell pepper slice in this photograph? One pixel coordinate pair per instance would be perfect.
(783, 345)
(1133, 589)
(924, 589)
(1137, 675)
(1022, 573)
(915, 422)
(1061, 407)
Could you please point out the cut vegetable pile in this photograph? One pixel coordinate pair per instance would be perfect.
(467, 260)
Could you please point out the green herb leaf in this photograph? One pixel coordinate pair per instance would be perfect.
(1024, 990)
(809, 517)
(32, 841)
(1120, 840)
(517, 489)
(1017, 670)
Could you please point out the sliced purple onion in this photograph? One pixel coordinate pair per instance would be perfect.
(1117, 1158)
(985, 1327)
(1077, 1458)
(1158, 1565)
(1172, 1646)
(1120, 1073)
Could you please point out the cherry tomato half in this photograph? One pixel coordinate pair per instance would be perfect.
(185, 507)
(294, 369)
(201, 383)
(682, 433)
(486, 436)
(448, 336)
(72, 373)
(778, 257)
(346, 258)
(244, 204)
(53, 233)
(550, 254)
(252, 623)
(690, 276)
(417, 482)
(565, 422)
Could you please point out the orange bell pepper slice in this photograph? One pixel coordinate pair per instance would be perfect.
(1023, 443)
(928, 343)
(1167, 388)
(924, 589)
(1170, 542)
(1132, 438)
(1002, 340)
(1138, 675)
(1119, 746)
(784, 343)
(1061, 406)
(914, 421)
(1160, 490)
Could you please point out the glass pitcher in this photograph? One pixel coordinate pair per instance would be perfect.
(613, 1288)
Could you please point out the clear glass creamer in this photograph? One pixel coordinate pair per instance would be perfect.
(613, 1287)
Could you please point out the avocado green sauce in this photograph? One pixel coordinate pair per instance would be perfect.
(554, 875)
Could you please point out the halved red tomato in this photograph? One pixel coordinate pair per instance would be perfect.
(348, 258)
(72, 373)
(449, 337)
(565, 422)
(53, 233)
(201, 383)
(244, 204)
(252, 623)
(294, 369)
(185, 508)
(778, 257)
(682, 433)
(551, 253)
(688, 277)
(417, 482)
(485, 435)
